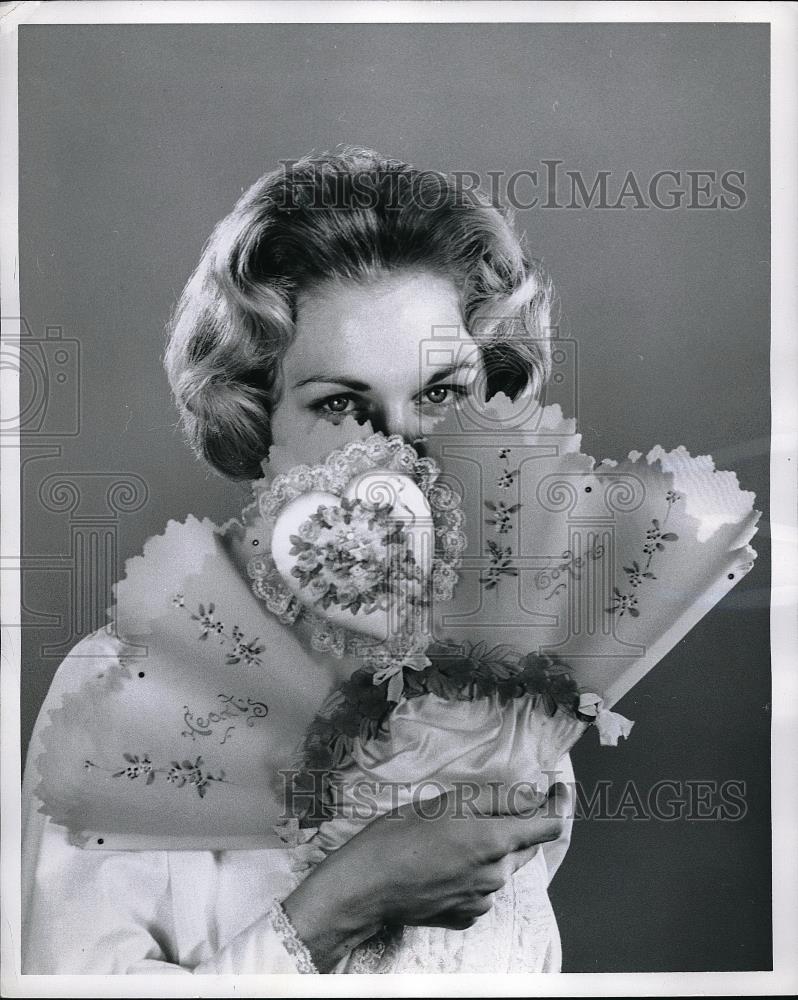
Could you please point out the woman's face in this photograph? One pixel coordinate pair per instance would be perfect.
(393, 351)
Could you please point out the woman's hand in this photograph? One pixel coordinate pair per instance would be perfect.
(404, 868)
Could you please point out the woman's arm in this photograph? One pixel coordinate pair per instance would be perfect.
(409, 869)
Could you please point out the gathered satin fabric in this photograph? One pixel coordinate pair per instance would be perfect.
(481, 751)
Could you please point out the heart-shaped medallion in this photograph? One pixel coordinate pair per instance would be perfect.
(362, 561)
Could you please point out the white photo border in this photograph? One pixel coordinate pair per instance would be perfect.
(783, 980)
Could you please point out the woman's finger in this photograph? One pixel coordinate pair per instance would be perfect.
(461, 917)
(542, 826)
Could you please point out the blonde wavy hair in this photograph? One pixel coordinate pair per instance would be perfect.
(353, 215)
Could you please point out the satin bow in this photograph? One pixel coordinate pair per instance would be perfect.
(611, 726)
(393, 673)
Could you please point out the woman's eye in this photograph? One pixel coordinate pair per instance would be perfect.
(336, 404)
(335, 408)
(437, 394)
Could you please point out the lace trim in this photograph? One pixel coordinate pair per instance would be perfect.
(391, 454)
(291, 941)
(378, 953)
(333, 475)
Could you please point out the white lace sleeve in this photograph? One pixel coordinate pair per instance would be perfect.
(291, 941)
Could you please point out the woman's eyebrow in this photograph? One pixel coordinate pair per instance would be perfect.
(445, 372)
(333, 380)
(358, 386)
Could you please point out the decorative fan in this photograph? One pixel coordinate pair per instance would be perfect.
(461, 615)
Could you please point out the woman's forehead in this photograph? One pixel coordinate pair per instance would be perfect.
(390, 323)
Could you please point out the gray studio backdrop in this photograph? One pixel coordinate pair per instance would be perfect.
(135, 140)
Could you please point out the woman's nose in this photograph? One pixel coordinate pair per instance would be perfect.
(402, 420)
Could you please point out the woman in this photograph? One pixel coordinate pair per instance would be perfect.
(315, 299)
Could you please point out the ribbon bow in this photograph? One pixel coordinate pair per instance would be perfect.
(393, 672)
(303, 854)
(611, 726)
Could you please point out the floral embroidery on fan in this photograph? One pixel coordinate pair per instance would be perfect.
(502, 512)
(506, 479)
(137, 766)
(208, 624)
(240, 649)
(655, 536)
(192, 773)
(501, 564)
(507, 476)
(654, 542)
(637, 575)
(249, 652)
(501, 556)
(623, 603)
(502, 519)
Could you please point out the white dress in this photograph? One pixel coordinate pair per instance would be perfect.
(96, 912)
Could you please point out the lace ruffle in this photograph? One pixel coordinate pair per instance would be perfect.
(375, 453)
(292, 942)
